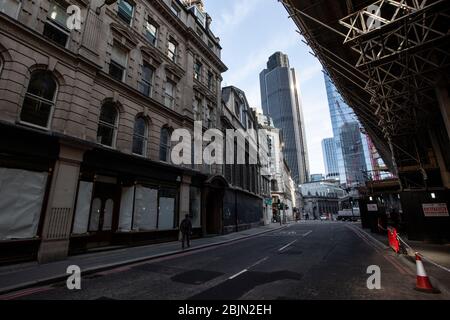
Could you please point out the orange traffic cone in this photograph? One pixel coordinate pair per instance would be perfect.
(422, 281)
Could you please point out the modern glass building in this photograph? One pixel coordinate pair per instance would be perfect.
(330, 159)
(280, 101)
(352, 151)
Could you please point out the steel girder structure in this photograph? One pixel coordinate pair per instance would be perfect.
(343, 73)
(385, 58)
(402, 45)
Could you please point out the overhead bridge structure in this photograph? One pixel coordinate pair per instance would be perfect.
(390, 60)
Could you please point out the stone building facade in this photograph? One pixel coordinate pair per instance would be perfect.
(322, 198)
(282, 187)
(244, 201)
(85, 118)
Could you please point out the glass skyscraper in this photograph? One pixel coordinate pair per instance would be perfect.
(352, 151)
(280, 101)
(330, 159)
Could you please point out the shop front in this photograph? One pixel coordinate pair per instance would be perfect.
(125, 201)
(26, 165)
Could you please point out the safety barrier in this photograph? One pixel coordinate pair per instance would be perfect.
(393, 239)
(396, 243)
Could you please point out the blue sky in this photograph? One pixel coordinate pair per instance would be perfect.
(250, 31)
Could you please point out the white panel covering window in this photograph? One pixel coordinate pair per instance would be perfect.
(81, 222)
(166, 213)
(145, 209)
(126, 209)
(21, 197)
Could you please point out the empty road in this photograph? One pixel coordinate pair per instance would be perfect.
(307, 260)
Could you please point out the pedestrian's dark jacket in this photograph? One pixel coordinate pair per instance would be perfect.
(186, 226)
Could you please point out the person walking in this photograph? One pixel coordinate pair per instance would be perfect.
(186, 230)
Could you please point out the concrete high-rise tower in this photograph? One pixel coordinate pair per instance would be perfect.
(280, 100)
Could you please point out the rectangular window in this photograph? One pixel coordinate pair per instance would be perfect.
(175, 9)
(172, 50)
(151, 31)
(199, 32)
(169, 97)
(117, 66)
(147, 80)
(197, 70)
(210, 80)
(196, 109)
(125, 11)
(55, 27)
(10, 8)
(209, 113)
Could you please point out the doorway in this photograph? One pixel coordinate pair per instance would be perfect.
(212, 196)
(214, 208)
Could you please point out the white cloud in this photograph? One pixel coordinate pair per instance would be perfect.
(230, 19)
(310, 72)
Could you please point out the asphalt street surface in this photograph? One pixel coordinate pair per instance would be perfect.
(307, 260)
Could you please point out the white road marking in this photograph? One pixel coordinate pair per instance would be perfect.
(237, 274)
(307, 233)
(284, 247)
(258, 262)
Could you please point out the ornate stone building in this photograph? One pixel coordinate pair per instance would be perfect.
(86, 113)
(243, 201)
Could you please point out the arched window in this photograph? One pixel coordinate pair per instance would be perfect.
(140, 136)
(164, 145)
(39, 100)
(107, 125)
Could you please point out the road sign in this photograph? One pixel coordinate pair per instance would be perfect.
(372, 207)
(435, 209)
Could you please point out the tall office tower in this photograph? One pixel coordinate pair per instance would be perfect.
(352, 151)
(330, 159)
(280, 100)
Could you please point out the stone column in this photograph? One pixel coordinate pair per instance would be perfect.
(60, 206)
(184, 199)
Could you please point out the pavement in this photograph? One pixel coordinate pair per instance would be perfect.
(436, 257)
(308, 260)
(24, 275)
